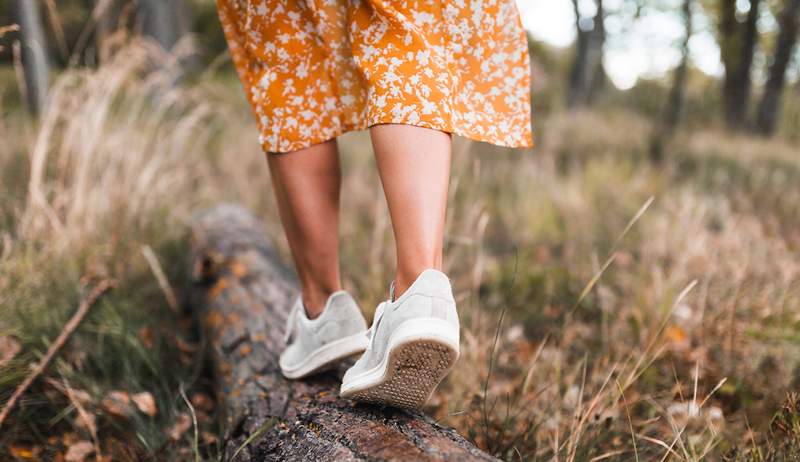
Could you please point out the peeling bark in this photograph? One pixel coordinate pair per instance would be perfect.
(242, 293)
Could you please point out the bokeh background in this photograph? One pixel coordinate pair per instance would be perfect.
(629, 289)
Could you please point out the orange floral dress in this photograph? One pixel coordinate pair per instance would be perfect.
(314, 69)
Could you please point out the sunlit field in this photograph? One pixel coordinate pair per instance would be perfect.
(612, 308)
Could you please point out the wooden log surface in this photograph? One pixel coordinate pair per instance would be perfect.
(242, 293)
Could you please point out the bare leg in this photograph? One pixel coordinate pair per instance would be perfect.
(414, 166)
(306, 185)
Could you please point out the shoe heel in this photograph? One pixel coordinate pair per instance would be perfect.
(421, 354)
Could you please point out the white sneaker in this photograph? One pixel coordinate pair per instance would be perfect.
(414, 342)
(314, 345)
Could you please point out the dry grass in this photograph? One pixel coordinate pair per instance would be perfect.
(675, 340)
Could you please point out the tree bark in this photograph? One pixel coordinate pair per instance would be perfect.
(738, 44)
(770, 106)
(586, 74)
(242, 292)
(35, 62)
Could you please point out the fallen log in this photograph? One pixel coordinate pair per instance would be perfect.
(242, 293)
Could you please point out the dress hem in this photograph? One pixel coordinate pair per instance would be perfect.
(298, 145)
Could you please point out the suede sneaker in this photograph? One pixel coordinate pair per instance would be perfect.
(314, 345)
(414, 342)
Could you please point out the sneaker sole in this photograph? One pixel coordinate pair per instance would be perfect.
(421, 353)
(327, 356)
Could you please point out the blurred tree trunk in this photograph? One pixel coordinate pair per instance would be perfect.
(770, 106)
(165, 21)
(677, 95)
(737, 45)
(598, 75)
(586, 75)
(35, 61)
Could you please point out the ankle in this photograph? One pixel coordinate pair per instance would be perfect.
(405, 277)
(315, 298)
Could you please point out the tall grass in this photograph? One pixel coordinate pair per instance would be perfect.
(647, 364)
(115, 167)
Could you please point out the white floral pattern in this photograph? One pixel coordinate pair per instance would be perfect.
(314, 69)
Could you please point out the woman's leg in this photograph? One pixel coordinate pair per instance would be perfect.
(414, 166)
(306, 185)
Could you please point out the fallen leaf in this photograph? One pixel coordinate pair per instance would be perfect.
(146, 336)
(8, 349)
(677, 338)
(79, 451)
(69, 438)
(187, 350)
(203, 402)
(184, 346)
(182, 423)
(145, 402)
(117, 403)
(22, 452)
(209, 438)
